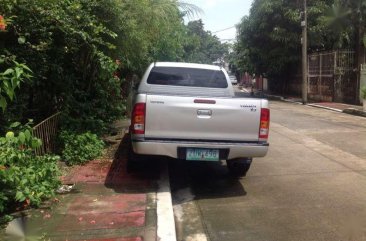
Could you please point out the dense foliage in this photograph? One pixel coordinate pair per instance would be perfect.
(81, 52)
(269, 39)
(80, 148)
(69, 49)
(24, 177)
(347, 19)
(10, 79)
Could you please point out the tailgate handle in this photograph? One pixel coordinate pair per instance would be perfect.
(204, 112)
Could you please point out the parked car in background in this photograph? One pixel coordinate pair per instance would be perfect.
(233, 79)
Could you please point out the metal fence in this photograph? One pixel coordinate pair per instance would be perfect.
(47, 132)
(331, 76)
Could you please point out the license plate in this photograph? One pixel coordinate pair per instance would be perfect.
(196, 154)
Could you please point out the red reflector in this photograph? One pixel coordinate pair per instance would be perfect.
(264, 124)
(202, 101)
(138, 118)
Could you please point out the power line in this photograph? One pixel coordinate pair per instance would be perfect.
(224, 29)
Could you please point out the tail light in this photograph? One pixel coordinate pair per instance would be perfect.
(138, 118)
(264, 124)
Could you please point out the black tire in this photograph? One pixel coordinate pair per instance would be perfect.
(239, 167)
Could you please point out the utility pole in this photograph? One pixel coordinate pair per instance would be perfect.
(304, 41)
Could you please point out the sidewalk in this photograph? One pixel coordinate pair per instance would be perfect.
(105, 204)
(339, 107)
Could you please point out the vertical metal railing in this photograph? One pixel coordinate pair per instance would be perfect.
(331, 76)
(47, 132)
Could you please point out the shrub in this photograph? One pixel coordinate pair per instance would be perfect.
(80, 148)
(363, 92)
(24, 177)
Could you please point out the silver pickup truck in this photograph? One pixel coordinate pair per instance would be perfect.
(189, 111)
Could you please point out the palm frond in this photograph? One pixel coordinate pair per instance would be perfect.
(190, 10)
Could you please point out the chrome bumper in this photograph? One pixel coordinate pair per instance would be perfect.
(176, 149)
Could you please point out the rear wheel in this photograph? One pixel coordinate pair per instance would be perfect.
(239, 167)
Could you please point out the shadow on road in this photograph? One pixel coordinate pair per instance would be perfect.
(205, 180)
(142, 180)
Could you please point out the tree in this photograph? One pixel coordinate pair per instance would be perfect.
(201, 46)
(348, 18)
(269, 38)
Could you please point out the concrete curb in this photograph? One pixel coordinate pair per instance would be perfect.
(165, 213)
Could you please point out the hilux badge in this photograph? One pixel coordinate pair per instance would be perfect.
(252, 108)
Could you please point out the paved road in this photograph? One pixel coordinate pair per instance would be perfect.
(310, 186)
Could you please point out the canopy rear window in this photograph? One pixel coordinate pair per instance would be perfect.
(192, 77)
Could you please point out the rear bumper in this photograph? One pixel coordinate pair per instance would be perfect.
(176, 149)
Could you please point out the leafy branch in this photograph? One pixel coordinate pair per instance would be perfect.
(10, 80)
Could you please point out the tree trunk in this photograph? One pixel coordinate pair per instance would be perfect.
(360, 45)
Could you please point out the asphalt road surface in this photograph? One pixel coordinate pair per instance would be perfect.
(310, 186)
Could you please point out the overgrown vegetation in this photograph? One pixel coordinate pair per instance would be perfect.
(80, 148)
(24, 177)
(71, 52)
(82, 51)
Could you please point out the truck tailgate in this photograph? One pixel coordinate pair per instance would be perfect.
(195, 118)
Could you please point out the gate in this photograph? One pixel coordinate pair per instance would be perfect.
(331, 77)
(47, 132)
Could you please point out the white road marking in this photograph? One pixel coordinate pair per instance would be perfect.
(325, 107)
(166, 224)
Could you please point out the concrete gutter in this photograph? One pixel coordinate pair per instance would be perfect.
(352, 111)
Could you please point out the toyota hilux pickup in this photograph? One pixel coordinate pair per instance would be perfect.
(190, 111)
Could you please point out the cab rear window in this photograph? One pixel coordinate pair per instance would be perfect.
(192, 77)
